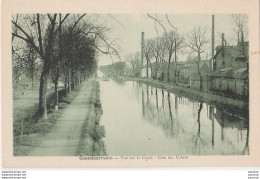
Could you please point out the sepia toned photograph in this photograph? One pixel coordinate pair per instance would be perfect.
(137, 84)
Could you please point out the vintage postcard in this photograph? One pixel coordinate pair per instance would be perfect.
(130, 84)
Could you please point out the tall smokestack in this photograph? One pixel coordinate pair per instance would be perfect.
(223, 39)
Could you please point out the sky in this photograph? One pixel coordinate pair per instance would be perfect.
(127, 28)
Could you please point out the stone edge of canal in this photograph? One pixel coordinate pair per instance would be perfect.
(91, 143)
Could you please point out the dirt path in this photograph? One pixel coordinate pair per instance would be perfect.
(64, 138)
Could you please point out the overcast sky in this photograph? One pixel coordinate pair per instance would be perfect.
(128, 30)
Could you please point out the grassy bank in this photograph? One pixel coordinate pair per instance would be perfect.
(26, 131)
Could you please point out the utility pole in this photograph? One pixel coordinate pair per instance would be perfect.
(142, 52)
(212, 41)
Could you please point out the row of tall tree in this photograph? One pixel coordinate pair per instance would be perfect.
(58, 47)
(165, 48)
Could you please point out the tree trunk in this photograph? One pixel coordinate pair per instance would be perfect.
(56, 81)
(199, 71)
(56, 92)
(42, 94)
(72, 80)
(79, 80)
(147, 68)
(65, 84)
(169, 67)
(69, 86)
(151, 72)
(161, 67)
(156, 67)
(32, 81)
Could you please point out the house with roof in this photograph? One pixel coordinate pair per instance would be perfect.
(231, 60)
(230, 69)
(189, 69)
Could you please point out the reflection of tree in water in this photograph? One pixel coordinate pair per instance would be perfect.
(156, 94)
(137, 90)
(166, 118)
(246, 113)
(246, 149)
(147, 94)
(211, 117)
(170, 112)
(228, 119)
(147, 106)
(143, 103)
(198, 141)
(176, 103)
(162, 116)
(162, 98)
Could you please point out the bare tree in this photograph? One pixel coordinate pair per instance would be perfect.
(241, 28)
(241, 23)
(156, 53)
(24, 63)
(134, 60)
(43, 33)
(162, 54)
(148, 54)
(196, 42)
(38, 31)
(32, 64)
(173, 42)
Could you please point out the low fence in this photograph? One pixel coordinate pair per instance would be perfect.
(227, 85)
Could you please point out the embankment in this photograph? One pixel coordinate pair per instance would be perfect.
(192, 94)
(91, 143)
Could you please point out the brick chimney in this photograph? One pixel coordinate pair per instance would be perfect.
(222, 43)
(223, 39)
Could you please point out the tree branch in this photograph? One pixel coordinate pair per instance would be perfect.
(40, 34)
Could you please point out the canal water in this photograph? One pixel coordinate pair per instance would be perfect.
(144, 120)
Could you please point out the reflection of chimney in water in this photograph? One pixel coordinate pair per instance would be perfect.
(211, 116)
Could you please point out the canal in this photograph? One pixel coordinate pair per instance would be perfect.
(144, 120)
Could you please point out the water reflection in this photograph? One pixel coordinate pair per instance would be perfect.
(221, 133)
(143, 120)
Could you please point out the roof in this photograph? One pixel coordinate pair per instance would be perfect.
(204, 62)
(224, 70)
(234, 51)
(241, 70)
(241, 73)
